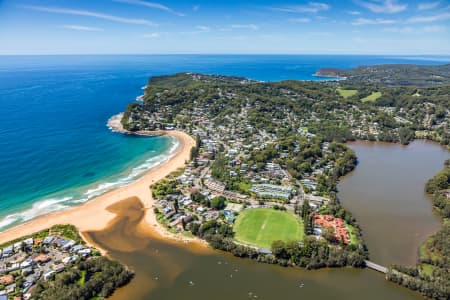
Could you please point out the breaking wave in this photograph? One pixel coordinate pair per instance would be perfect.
(50, 205)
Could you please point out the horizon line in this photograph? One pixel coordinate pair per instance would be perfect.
(230, 54)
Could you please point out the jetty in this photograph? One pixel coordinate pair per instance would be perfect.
(376, 267)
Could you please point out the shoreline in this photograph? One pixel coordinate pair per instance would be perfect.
(115, 125)
(94, 214)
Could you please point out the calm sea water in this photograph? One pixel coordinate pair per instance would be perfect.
(55, 148)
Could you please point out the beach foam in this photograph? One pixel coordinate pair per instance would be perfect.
(39, 208)
(49, 205)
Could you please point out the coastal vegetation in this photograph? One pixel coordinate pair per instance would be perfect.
(66, 231)
(272, 152)
(314, 105)
(431, 274)
(393, 75)
(94, 278)
(260, 185)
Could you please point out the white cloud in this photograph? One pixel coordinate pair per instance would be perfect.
(300, 20)
(87, 13)
(198, 29)
(354, 12)
(363, 21)
(244, 26)
(429, 19)
(196, 8)
(81, 28)
(311, 7)
(417, 30)
(428, 5)
(151, 5)
(383, 6)
(151, 35)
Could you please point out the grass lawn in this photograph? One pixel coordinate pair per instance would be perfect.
(425, 253)
(245, 186)
(427, 269)
(346, 93)
(372, 97)
(82, 279)
(261, 226)
(352, 233)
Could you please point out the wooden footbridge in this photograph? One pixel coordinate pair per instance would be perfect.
(375, 267)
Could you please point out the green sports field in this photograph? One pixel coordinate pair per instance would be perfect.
(346, 93)
(261, 226)
(372, 97)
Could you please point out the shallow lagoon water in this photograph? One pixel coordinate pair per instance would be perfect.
(386, 195)
(174, 270)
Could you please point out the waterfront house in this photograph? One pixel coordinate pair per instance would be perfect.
(48, 240)
(77, 248)
(17, 246)
(447, 194)
(68, 245)
(7, 251)
(29, 243)
(85, 252)
(60, 242)
(338, 224)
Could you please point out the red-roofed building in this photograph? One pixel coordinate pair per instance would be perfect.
(7, 279)
(338, 224)
(41, 258)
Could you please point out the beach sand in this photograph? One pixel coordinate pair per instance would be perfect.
(94, 215)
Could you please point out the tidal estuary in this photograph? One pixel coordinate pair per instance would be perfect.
(385, 193)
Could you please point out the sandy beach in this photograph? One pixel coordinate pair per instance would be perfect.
(94, 215)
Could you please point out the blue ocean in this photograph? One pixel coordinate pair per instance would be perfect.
(55, 148)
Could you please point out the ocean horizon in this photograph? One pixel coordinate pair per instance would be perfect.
(56, 150)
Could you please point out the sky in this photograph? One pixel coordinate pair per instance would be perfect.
(225, 27)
